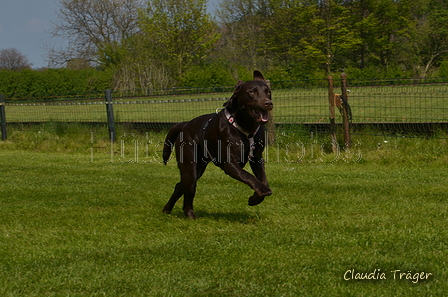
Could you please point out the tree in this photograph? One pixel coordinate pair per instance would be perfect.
(78, 64)
(291, 35)
(299, 38)
(339, 38)
(141, 67)
(241, 26)
(430, 39)
(380, 25)
(94, 30)
(178, 32)
(12, 59)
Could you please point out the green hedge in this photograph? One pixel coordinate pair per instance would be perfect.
(52, 82)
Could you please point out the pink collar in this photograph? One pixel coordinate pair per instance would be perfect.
(232, 121)
(249, 136)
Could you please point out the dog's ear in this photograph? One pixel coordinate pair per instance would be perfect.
(233, 101)
(258, 76)
(238, 86)
(228, 103)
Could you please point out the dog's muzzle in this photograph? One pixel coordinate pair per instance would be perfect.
(262, 114)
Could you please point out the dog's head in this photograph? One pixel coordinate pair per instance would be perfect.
(251, 98)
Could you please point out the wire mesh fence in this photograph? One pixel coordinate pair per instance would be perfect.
(410, 107)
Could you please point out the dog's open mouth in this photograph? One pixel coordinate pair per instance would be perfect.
(260, 115)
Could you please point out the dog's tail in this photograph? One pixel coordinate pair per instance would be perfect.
(170, 140)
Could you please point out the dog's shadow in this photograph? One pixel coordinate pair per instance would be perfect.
(234, 217)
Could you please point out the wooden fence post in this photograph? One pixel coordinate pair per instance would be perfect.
(110, 115)
(270, 125)
(3, 117)
(345, 114)
(332, 114)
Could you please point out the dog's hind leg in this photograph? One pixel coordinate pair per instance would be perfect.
(189, 180)
(189, 186)
(178, 192)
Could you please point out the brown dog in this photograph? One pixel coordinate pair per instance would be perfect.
(229, 139)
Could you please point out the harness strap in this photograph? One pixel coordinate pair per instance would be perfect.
(249, 136)
(209, 155)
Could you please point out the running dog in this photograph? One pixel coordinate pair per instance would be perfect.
(229, 139)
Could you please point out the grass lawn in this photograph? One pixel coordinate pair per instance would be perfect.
(73, 227)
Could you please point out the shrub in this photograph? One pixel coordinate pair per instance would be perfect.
(211, 75)
(52, 82)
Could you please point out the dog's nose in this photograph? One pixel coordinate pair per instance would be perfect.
(268, 104)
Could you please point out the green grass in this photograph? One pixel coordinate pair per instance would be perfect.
(420, 103)
(73, 225)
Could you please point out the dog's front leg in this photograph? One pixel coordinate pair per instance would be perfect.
(235, 171)
(257, 166)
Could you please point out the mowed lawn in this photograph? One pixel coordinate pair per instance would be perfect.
(72, 227)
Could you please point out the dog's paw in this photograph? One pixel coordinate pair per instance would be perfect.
(255, 199)
(259, 194)
(263, 190)
(190, 214)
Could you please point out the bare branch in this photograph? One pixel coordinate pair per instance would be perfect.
(13, 59)
(89, 25)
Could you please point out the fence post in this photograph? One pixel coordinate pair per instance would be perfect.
(270, 125)
(110, 115)
(332, 114)
(3, 117)
(345, 107)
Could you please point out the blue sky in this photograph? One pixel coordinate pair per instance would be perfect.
(25, 25)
